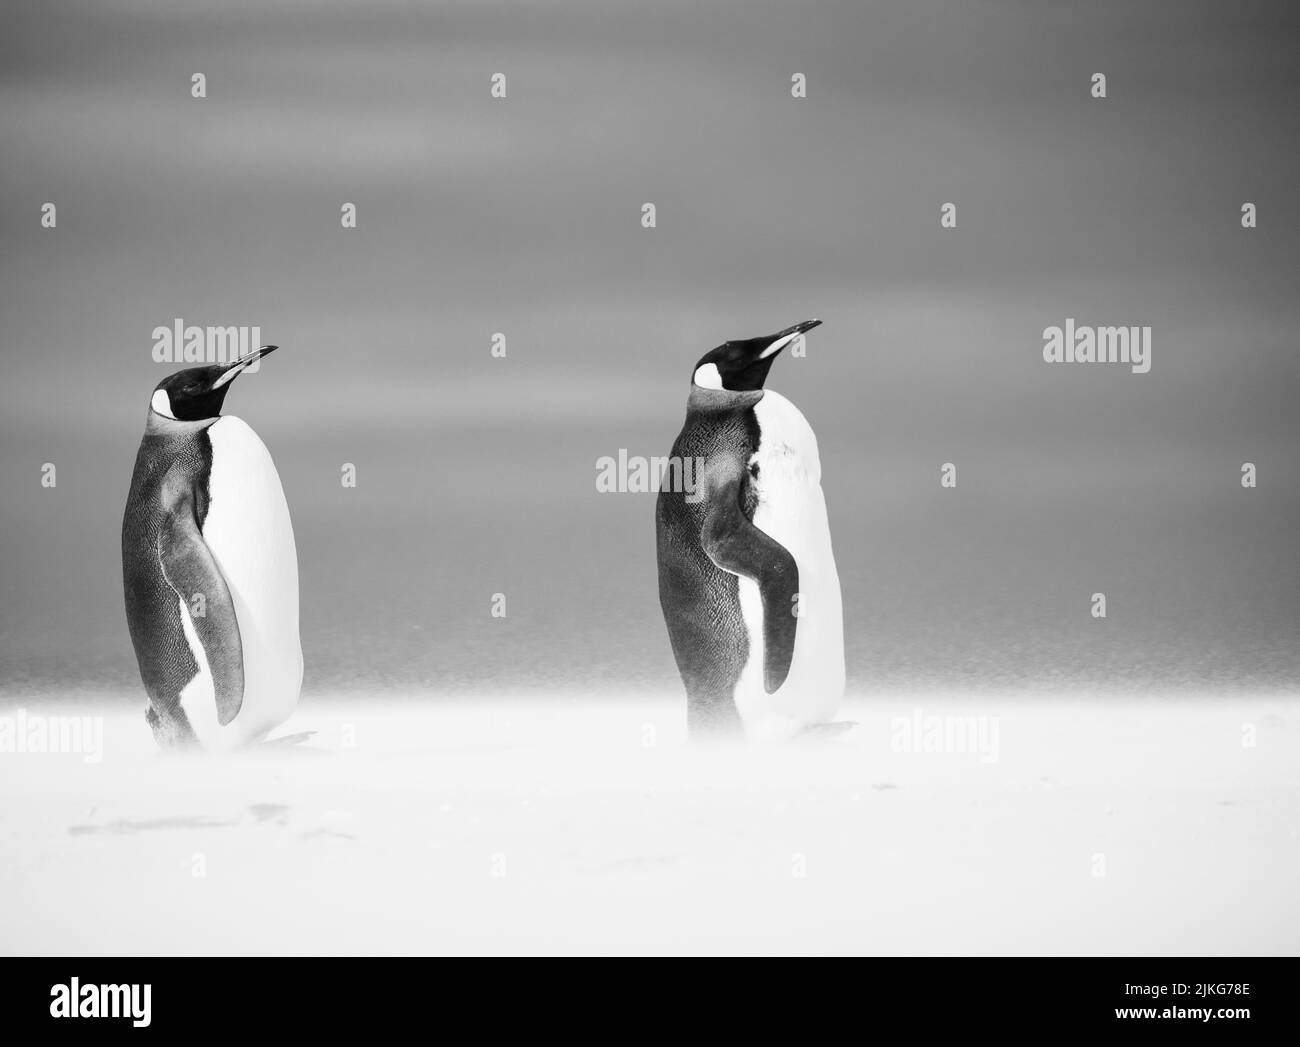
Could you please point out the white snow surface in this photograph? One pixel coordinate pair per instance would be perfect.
(537, 824)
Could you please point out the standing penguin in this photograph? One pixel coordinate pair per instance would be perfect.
(209, 569)
(747, 581)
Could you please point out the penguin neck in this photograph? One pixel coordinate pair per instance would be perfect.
(160, 425)
(716, 400)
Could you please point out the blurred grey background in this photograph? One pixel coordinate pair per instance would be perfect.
(477, 475)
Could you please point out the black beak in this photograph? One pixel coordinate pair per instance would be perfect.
(781, 339)
(237, 368)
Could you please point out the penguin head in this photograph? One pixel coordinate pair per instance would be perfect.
(197, 393)
(742, 366)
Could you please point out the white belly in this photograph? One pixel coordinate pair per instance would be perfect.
(249, 533)
(792, 510)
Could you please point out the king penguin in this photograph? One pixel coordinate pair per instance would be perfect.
(210, 570)
(747, 579)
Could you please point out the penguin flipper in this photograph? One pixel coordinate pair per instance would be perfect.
(734, 544)
(190, 569)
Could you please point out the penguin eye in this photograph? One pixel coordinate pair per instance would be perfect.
(753, 470)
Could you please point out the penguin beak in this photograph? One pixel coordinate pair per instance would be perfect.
(781, 339)
(239, 366)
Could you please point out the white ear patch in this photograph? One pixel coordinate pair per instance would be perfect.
(707, 376)
(162, 403)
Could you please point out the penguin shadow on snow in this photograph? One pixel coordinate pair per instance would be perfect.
(289, 745)
(272, 814)
(820, 733)
(259, 813)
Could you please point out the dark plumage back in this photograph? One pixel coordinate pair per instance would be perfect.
(170, 474)
(700, 601)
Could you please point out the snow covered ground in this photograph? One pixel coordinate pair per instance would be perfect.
(528, 824)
